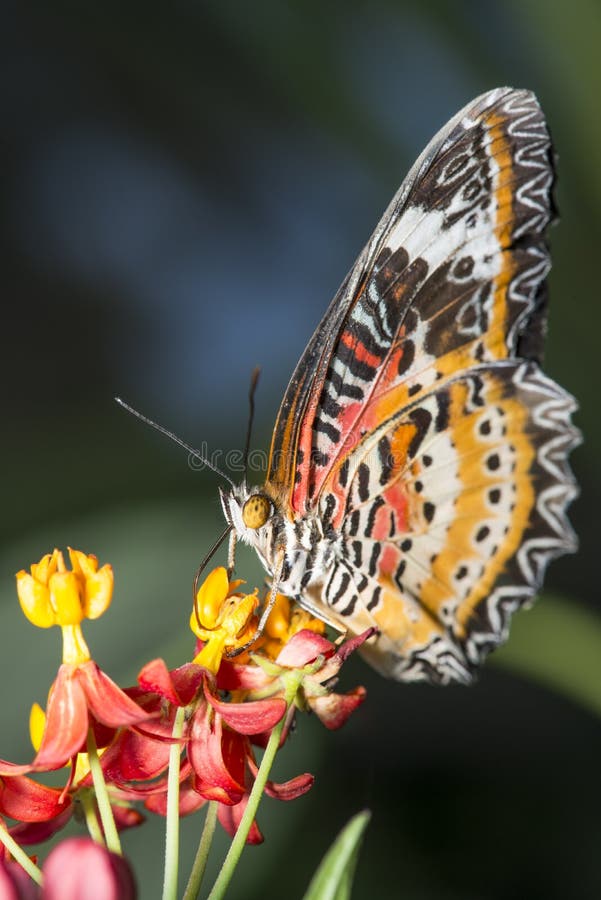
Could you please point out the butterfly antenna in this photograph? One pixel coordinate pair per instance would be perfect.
(195, 453)
(254, 380)
(203, 566)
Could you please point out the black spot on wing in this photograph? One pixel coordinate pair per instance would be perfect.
(328, 429)
(386, 460)
(421, 419)
(330, 407)
(343, 473)
(429, 510)
(442, 414)
(363, 482)
(319, 459)
(342, 388)
(478, 387)
(375, 599)
(372, 566)
(378, 502)
(493, 462)
(329, 507)
(349, 609)
(407, 357)
(354, 522)
(482, 533)
(388, 270)
(345, 580)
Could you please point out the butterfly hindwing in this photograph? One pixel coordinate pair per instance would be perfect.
(449, 514)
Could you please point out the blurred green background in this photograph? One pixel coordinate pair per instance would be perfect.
(187, 186)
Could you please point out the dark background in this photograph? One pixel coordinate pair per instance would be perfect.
(185, 187)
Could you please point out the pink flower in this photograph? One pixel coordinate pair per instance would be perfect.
(79, 868)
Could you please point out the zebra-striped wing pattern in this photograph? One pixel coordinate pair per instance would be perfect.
(418, 425)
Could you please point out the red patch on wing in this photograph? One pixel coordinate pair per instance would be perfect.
(389, 560)
(360, 351)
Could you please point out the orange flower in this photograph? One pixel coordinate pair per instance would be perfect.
(222, 618)
(53, 595)
(81, 695)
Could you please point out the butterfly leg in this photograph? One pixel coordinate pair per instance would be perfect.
(317, 610)
(231, 554)
(273, 592)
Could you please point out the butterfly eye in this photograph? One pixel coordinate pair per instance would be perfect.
(256, 511)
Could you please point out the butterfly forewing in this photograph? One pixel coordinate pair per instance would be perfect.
(418, 426)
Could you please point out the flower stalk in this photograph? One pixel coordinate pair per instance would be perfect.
(294, 681)
(17, 852)
(202, 854)
(111, 835)
(172, 826)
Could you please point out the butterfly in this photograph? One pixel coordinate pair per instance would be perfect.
(418, 478)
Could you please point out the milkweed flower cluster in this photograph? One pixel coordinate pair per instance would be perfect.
(179, 740)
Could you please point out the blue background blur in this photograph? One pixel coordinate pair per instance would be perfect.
(186, 186)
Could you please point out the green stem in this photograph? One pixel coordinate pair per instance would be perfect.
(202, 854)
(86, 798)
(237, 846)
(111, 834)
(172, 829)
(20, 856)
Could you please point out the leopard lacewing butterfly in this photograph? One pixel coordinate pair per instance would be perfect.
(418, 478)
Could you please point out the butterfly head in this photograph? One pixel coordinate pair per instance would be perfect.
(247, 510)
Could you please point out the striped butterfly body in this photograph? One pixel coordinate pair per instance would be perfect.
(418, 478)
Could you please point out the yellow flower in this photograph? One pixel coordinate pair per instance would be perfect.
(54, 595)
(222, 618)
(285, 620)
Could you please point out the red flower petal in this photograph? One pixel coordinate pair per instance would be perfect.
(103, 734)
(38, 832)
(109, 704)
(252, 717)
(126, 816)
(66, 726)
(303, 648)
(334, 709)
(79, 868)
(230, 817)
(134, 758)
(23, 799)
(213, 779)
(286, 790)
(238, 677)
(143, 784)
(11, 769)
(189, 801)
(354, 643)
(179, 686)
(290, 790)
(332, 665)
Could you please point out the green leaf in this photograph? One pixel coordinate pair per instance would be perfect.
(334, 878)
